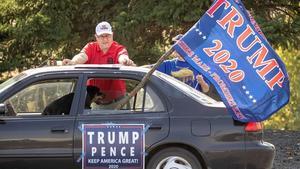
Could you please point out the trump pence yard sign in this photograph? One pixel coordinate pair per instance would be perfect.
(108, 146)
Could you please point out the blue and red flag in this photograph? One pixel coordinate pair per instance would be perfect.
(227, 46)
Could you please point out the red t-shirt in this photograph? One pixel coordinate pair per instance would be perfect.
(113, 89)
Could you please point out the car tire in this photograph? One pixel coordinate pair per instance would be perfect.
(173, 158)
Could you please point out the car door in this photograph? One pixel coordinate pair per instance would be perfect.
(29, 139)
(146, 107)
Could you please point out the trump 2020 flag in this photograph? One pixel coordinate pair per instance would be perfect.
(227, 47)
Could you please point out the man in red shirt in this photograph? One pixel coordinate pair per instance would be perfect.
(104, 51)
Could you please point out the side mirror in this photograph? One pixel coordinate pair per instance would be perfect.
(2, 109)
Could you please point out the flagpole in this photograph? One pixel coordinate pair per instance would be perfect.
(145, 79)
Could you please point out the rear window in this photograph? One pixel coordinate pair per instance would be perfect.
(189, 91)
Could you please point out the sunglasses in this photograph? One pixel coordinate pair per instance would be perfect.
(104, 36)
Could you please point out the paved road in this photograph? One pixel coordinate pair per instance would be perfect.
(287, 145)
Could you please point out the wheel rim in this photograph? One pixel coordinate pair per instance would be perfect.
(174, 162)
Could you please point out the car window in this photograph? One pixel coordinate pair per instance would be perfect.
(112, 91)
(11, 81)
(193, 93)
(41, 96)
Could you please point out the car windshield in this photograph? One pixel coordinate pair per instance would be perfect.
(11, 81)
(188, 90)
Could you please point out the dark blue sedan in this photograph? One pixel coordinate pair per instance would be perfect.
(186, 128)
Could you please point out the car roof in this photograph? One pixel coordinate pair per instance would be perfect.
(49, 69)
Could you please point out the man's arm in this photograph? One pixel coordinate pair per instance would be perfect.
(123, 57)
(124, 60)
(80, 58)
(204, 85)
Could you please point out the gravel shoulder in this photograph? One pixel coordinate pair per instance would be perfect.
(287, 144)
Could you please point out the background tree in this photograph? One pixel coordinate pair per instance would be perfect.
(31, 31)
(289, 116)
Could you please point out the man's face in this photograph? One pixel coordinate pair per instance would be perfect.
(104, 41)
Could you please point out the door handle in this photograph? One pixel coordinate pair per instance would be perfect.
(155, 127)
(2, 122)
(59, 130)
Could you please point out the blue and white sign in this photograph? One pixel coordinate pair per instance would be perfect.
(227, 47)
(118, 146)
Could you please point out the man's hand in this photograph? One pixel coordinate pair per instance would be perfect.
(124, 60)
(203, 84)
(67, 62)
(128, 62)
(80, 58)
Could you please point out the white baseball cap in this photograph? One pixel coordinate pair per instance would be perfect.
(103, 28)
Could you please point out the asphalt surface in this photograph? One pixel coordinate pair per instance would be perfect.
(287, 144)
